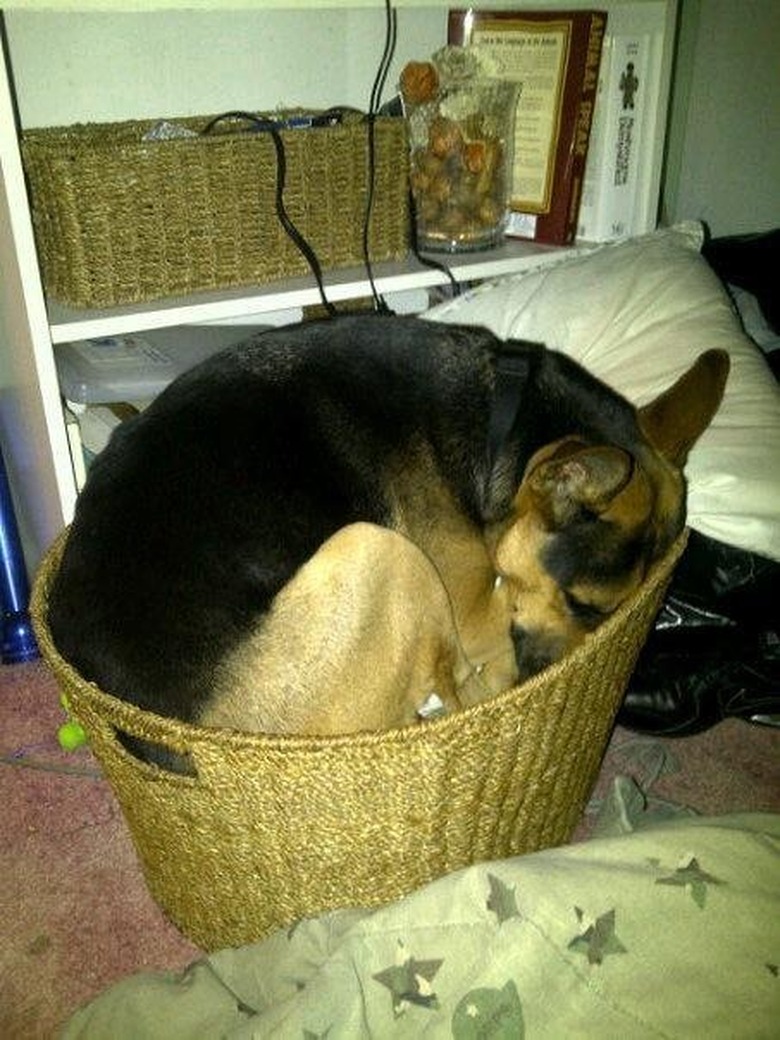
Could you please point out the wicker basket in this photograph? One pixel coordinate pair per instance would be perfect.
(120, 220)
(273, 829)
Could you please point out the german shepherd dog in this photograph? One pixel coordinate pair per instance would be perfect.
(313, 530)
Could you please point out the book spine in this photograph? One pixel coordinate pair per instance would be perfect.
(612, 207)
(584, 123)
(596, 159)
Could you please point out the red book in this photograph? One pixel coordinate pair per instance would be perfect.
(555, 55)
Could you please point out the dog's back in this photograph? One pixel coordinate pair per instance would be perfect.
(201, 508)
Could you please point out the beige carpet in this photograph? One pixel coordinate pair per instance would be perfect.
(76, 913)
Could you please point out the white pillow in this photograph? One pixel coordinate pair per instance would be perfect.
(637, 313)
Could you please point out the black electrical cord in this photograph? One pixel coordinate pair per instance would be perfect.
(391, 36)
(428, 261)
(391, 33)
(271, 127)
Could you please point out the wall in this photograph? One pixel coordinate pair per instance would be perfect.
(194, 62)
(724, 139)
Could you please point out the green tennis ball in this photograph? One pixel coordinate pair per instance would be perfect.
(71, 736)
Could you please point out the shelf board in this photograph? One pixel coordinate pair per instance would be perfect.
(211, 5)
(514, 255)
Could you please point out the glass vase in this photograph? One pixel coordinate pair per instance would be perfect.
(461, 150)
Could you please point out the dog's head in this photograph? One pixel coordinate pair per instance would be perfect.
(590, 519)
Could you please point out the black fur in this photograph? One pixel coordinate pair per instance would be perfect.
(204, 506)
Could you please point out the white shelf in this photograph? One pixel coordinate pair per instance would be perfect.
(67, 324)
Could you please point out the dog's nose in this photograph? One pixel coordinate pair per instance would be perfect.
(533, 650)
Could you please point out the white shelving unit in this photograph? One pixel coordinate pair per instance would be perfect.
(32, 424)
(285, 298)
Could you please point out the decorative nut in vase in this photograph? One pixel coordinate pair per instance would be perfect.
(461, 129)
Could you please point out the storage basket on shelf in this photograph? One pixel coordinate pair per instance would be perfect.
(272, 829)
(119, 219)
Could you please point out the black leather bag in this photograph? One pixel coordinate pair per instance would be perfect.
(714, 651)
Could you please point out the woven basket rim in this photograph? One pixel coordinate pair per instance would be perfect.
(191, 734)
(101, 135)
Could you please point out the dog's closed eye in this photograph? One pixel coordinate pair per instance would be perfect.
(590, 614)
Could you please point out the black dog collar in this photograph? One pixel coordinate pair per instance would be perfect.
(511, 375)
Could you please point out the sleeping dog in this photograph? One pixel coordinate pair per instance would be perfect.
(313, 530)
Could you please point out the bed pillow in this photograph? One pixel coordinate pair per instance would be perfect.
(637, 313)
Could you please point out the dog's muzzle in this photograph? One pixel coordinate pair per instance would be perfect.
(535, 650)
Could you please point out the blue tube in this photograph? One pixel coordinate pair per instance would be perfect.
(18, 639)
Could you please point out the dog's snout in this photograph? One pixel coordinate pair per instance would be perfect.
(534, 650)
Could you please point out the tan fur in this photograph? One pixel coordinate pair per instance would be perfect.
(537, 603)
(356, 641)
(642, 498)
(458, 550)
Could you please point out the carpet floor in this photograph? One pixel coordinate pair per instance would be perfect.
(76, 912)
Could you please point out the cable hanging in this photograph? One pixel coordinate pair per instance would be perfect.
(391, 34)
(271, 127)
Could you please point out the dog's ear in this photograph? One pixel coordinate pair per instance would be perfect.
(675, 420)
(582, 478)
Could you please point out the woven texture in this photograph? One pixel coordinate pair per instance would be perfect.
(120, 220)
(272, 829)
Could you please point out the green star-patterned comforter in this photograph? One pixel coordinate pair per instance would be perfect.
(671, 931)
